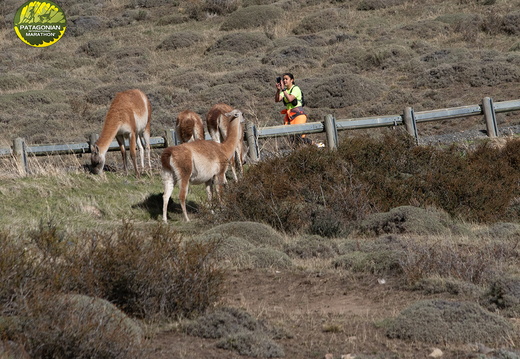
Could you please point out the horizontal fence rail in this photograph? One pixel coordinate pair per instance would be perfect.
(330, 125)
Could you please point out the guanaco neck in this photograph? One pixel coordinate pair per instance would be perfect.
(231, 141)
(109, 131)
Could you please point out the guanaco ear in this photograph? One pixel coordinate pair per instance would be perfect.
(94, 149)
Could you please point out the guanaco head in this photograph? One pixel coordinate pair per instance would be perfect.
(97, 160)
(235, 114)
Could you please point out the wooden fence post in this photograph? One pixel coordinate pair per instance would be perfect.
(252, 142)
(409, 123)
(20, 155)
(489, 115)
(169, 138)
(331, 132)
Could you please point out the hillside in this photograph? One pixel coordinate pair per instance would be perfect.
(352, 58)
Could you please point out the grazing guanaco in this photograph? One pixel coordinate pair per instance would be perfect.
(197, 162)
(129, 117)
(218, 124)
(189, 126)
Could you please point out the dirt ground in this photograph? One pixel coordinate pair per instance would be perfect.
(328, 315)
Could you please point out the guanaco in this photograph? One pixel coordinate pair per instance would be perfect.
(189, 126)
(218, 123)
(129, 117)
(197, 162)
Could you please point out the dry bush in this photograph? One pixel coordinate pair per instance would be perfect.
(180, 40)
(252, 17)
(202, 9)
(367, 5)
(257, 79)
(81, 25)
(442, 322)
(437, 285)
(269, 258)
(237, 331)
(230, 249)
(322, 20)
(340, 90)
(284, 192)
(259, 234)
(303, 57)
(253, 345)
(311, 247)
(222, 322)
(77, 326)
(148, 274)
(475, 262)
(378, 262)
(241, 43)
(225, 93)
(409, 219)
(503, 294)
(13, 82)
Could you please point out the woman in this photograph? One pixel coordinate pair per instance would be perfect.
(291, 95)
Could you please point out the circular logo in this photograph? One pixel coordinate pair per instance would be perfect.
(40, 23)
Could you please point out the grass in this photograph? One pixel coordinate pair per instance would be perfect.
(79, 200)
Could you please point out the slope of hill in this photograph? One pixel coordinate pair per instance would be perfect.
(352, 58)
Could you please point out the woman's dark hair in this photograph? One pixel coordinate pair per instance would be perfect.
(290, 75)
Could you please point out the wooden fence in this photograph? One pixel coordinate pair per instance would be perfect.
(330, 126)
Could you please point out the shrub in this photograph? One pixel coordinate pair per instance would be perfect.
(180, 40)
(366, 5)
(504, 294)
(149, 274)
(77, 326)
(156, 276)
(321, 20)
(201, 9)
(238, 331)
(380, 262)
(13, 82)
(304, 56)
(311, 247)
(241, 43)
(269, 258)
(253, 345)
(258, 234)
(343, 90)
(223, 322)
(252, 17)
(229, 249)
(407, 219)
(440, 321)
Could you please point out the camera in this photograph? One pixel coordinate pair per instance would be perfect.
(278, 79)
